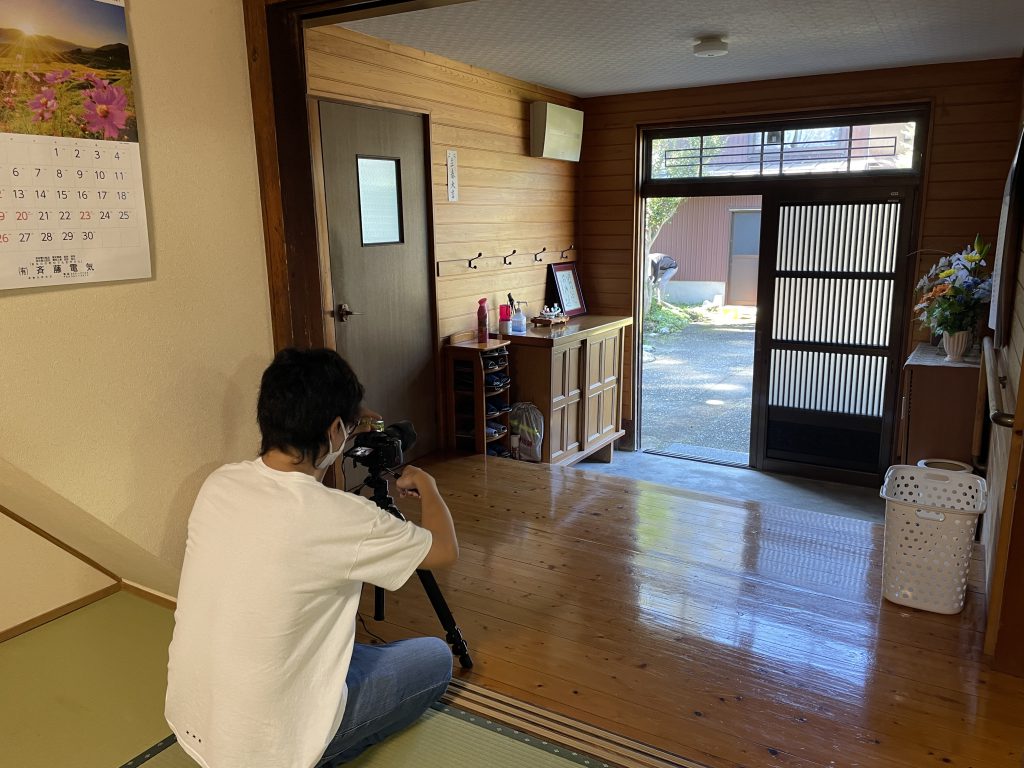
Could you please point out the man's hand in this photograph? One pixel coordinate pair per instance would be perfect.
(415, 482)
(444, 548)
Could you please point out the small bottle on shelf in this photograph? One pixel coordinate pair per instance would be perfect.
(504, 319)
(481, 321)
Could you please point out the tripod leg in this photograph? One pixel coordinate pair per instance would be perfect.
(378, 604)
(453, 635)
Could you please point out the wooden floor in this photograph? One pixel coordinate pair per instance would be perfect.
(733, 633)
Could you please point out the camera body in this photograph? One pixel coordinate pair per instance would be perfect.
(383, 447)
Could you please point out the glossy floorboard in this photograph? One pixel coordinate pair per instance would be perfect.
(730, 632)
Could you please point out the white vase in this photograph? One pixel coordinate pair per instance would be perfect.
(956, 345)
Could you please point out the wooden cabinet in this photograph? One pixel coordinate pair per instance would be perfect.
(572, 373)
(938, 406)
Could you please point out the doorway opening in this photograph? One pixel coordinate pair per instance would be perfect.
(780, 252)
(699, 323)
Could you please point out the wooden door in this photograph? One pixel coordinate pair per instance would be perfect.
(828, 346)
(376, 199)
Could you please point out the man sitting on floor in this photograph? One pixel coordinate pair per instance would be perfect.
(263, 669)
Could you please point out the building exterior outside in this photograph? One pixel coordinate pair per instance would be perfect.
(714, 242)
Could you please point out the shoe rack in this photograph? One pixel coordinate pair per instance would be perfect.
(478, 384)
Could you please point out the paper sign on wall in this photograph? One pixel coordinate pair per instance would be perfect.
(72, 208)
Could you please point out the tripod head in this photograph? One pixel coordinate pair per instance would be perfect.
(381, 450)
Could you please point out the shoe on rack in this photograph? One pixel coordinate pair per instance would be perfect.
(499, 429)
(492, 410)
(496, 380)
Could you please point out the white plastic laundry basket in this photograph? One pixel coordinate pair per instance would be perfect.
(930, 519)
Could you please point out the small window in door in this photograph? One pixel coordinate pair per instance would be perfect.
(380, 200)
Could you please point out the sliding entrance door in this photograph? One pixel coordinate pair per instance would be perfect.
(829, 337)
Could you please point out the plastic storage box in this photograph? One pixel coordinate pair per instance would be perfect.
(930, 519)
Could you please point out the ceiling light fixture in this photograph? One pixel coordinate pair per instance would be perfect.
(709, 47)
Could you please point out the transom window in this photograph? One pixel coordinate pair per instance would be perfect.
(839, 146)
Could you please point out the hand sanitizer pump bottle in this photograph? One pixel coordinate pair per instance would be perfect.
(519, 319)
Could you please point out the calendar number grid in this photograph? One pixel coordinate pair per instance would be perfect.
(70, 210)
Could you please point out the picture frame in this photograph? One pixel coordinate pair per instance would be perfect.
(567, 286)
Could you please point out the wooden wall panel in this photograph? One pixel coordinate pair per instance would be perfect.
(975, 109)
(507, 199)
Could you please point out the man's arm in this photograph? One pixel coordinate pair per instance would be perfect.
(444, 549)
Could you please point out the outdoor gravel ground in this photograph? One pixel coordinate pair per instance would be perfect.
(697, 388)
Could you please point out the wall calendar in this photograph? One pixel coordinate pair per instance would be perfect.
(72, 208)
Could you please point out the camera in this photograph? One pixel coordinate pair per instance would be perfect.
(383, 447)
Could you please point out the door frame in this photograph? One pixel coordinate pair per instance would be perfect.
(275, 39)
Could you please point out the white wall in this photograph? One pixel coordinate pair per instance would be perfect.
(121, 398)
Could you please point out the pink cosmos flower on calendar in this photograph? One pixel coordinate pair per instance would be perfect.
(65, 70)
(106, 111)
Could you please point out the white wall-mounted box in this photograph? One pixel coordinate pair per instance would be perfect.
(555, 131)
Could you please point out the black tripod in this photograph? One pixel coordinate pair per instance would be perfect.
(453, 634)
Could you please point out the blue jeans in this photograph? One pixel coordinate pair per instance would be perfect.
(389, 687)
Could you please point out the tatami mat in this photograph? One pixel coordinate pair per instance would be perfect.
(86, 689)
(442, 738)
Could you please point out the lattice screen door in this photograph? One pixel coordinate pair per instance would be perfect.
(830, 332)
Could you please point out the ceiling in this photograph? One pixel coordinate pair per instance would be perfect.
(599, 47)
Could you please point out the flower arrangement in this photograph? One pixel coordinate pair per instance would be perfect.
(955, 289)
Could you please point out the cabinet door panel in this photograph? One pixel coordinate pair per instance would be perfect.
(559, 375)
(555, 436)
(610, 358)
(573, 439)
(595, 362)
(608, 409)
(573, 368)
(595, 402)
(565, 373)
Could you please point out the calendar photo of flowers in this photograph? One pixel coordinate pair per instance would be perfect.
(65, 70)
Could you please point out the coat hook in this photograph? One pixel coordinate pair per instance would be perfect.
(570, 248)
(536, 256)
(471, 264)
(507, 260)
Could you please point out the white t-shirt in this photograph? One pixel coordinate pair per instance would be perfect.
(265, 623)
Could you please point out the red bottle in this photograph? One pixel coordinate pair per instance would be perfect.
(481, 322)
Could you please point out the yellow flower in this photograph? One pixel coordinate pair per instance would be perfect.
(947, 273)
(974, 257)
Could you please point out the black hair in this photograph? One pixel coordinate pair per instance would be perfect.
(301, 394)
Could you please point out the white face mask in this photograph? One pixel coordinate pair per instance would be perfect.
(332, 455)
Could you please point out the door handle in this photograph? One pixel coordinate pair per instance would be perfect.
(341, 313)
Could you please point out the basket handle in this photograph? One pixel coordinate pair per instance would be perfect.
(928, 514)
